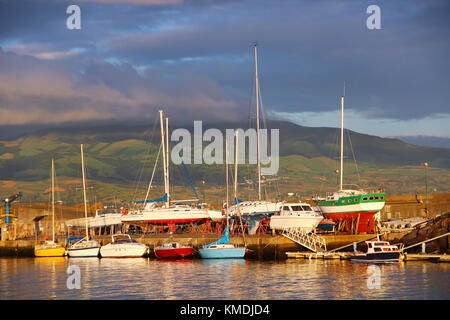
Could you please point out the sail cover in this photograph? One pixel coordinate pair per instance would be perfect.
(164, 198)
(224, 239)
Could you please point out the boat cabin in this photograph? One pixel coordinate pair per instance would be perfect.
(380, 246)
(121, 238)
(295, 209)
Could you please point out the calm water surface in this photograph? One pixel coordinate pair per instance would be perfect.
(142, 278)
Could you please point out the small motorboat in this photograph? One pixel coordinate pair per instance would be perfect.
(173, 250)
(378, 252)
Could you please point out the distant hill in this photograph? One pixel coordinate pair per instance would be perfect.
(438, 142)
(121, 156)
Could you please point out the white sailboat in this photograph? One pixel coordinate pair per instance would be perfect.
(51, 248)
(122, 246)
(168, 213)
(253, 212)
(85, 247)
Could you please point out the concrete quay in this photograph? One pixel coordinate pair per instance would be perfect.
(260, 246)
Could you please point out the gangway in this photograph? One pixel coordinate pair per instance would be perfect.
(310, 240)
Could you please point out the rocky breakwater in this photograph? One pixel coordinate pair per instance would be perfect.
(434, 228)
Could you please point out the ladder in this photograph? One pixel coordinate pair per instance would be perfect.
(309, 240)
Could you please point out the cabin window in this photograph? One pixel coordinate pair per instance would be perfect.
(286, 208)
(371, 198)
(376, 198)
(365, 199)
(370, 245)
(381, 198)
(356, 199)
(349, 200)
(297, 208)
(306, 208)
(377, 249)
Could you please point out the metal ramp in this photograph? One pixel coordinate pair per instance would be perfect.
(309, 240)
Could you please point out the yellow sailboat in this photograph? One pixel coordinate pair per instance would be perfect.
(50, 248)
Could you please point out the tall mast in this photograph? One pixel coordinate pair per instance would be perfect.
(167, 159)
(84, 193)
(226, 176)
(166, 191)
(53, 199)
(342, 142)
(257, 124)
(235, 169)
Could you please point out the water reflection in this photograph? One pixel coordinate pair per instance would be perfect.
(46, 278)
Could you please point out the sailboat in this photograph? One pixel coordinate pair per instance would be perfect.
(253, 212)
(84, 247)
(168, 213)
(122, 246)
(222, 248)
(356, 207)
(51, 248)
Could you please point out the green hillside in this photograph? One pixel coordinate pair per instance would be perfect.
(120, 160)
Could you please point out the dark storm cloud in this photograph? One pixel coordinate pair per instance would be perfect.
(196, 57)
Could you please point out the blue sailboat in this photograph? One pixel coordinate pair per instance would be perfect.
(222, 248)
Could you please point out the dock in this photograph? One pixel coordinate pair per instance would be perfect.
(260, 246)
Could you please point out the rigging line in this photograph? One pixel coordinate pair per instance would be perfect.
(153, 174)
(140, 173)
(354, 158)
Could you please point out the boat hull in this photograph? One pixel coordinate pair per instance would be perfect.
(307, 224)
(222, 253)
(173, 252)
(349, 207)
(123, 250)
(83, 252)
(366, 219)
(49, 252)
(380, 257)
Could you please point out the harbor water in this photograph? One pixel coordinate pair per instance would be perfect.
(196, 279)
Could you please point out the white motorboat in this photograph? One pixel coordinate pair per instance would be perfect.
(296, 215)
(122, 246)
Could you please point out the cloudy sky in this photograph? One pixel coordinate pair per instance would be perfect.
(195, 59)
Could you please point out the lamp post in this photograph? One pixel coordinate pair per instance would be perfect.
(425, 164)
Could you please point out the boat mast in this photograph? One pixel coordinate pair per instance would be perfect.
(84, 194)
(235, 186)
(166, 191)
(342, 141)
(235, 172)
(167, 159)
(226, 176)
(257, 124)
(53, 199)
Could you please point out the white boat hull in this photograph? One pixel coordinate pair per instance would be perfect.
(167, 216)
(307, 224)
(123, 250)
(84, 248)
(83, 252)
